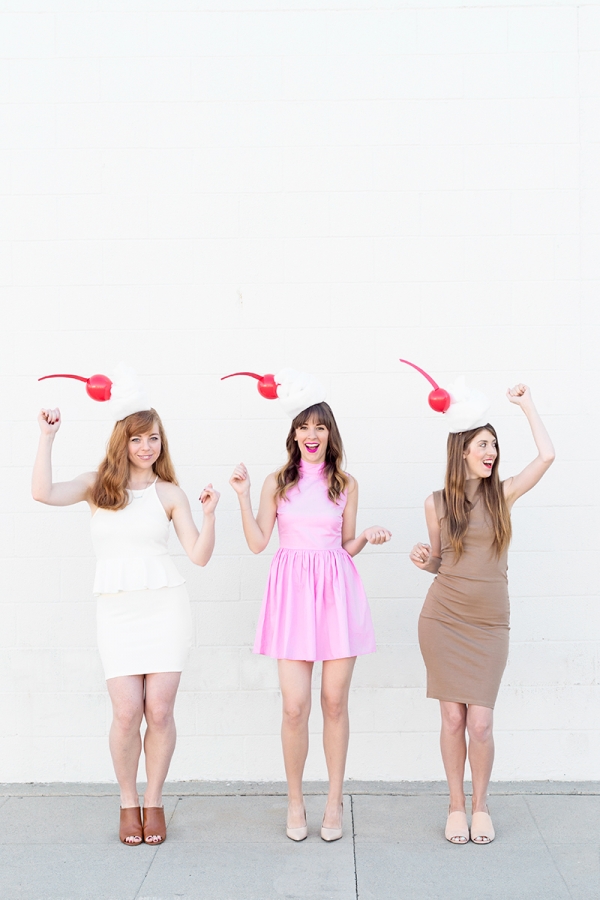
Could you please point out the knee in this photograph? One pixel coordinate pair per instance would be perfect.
(295, 714)
(127, 717)
(159, 716)
(334, 707)
(454, 722)
(480, 730)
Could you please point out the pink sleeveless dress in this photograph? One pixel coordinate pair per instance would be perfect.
(315, 606)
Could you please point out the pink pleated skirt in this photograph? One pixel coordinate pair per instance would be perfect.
(314, 608)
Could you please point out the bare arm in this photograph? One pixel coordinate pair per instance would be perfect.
(519, 484)
(257, 531)
(198, 545)
(428, 556)
(376, 534)
(43, 489)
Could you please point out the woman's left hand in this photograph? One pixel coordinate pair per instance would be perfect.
(519, 394)
(209, 499)
(377, 534)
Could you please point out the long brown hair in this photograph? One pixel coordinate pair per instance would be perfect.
(289, 474)
(458, 507)
(110, 488)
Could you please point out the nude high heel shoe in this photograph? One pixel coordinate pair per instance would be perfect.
(332, 834)
(298, 834)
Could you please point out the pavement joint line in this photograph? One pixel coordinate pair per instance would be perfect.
(550, 854)
(354, 845)
(143, 881)
(279, 789)
(151, 863)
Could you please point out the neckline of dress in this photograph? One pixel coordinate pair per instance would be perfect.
(139, 493)
(469, 491)
(311, 468)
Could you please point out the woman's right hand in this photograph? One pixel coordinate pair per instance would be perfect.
(49, 420)
(420, 554)
(240, 480)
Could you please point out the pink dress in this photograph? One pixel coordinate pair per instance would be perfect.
(315, 605)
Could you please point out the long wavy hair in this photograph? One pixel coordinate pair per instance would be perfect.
(289, 474)
(110, 488)
(458, 508)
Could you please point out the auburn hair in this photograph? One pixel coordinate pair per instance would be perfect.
(458, 507)
(289, 474)
(110, 488)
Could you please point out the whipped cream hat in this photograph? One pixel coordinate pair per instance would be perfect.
(463, 408)
(124, 394)
(295, 391)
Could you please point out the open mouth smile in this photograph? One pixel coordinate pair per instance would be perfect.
(312, 447)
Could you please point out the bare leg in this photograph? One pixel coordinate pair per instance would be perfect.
(481, 752)
(159, 741)
(295, 682)
(335, 687)
(127, 697)
(454, 750)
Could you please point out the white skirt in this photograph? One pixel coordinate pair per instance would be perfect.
(140, 632)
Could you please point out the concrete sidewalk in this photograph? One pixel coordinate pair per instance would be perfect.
(227, 841)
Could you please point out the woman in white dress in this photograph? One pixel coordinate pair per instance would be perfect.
(143, 610)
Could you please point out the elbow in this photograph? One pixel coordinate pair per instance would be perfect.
(38, 496)
(548, 458)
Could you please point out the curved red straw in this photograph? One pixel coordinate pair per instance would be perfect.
(251, 374)
(77, 377)
(418, 368)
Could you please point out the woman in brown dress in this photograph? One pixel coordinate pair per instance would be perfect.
(464, 623)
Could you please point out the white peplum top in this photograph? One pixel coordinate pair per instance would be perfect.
(131, 546)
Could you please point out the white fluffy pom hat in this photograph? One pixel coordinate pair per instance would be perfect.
(124, 393)
(463, 407)
(295, 390)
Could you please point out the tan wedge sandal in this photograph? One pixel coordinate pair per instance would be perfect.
(154, 824)
(130, 826)
(457, 828)
(482, 829)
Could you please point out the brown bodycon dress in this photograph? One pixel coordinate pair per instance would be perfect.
(464, 623)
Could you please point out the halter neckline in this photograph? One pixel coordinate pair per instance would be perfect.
(137, 492)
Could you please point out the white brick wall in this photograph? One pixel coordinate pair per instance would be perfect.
(202, 190)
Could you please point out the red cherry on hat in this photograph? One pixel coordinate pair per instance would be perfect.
(97, 387)
(267, 386)
(439, 399)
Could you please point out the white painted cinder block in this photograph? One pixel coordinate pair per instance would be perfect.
(201, 191)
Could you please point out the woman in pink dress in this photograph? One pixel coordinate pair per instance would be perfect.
(314, 606)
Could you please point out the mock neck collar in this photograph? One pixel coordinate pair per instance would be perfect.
(308, 469)
(471, 487)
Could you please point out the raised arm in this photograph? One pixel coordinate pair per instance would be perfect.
(375, 534)
(257, 531)
(519, 484)
(43, 489)
(198, 545)
(429, 556)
